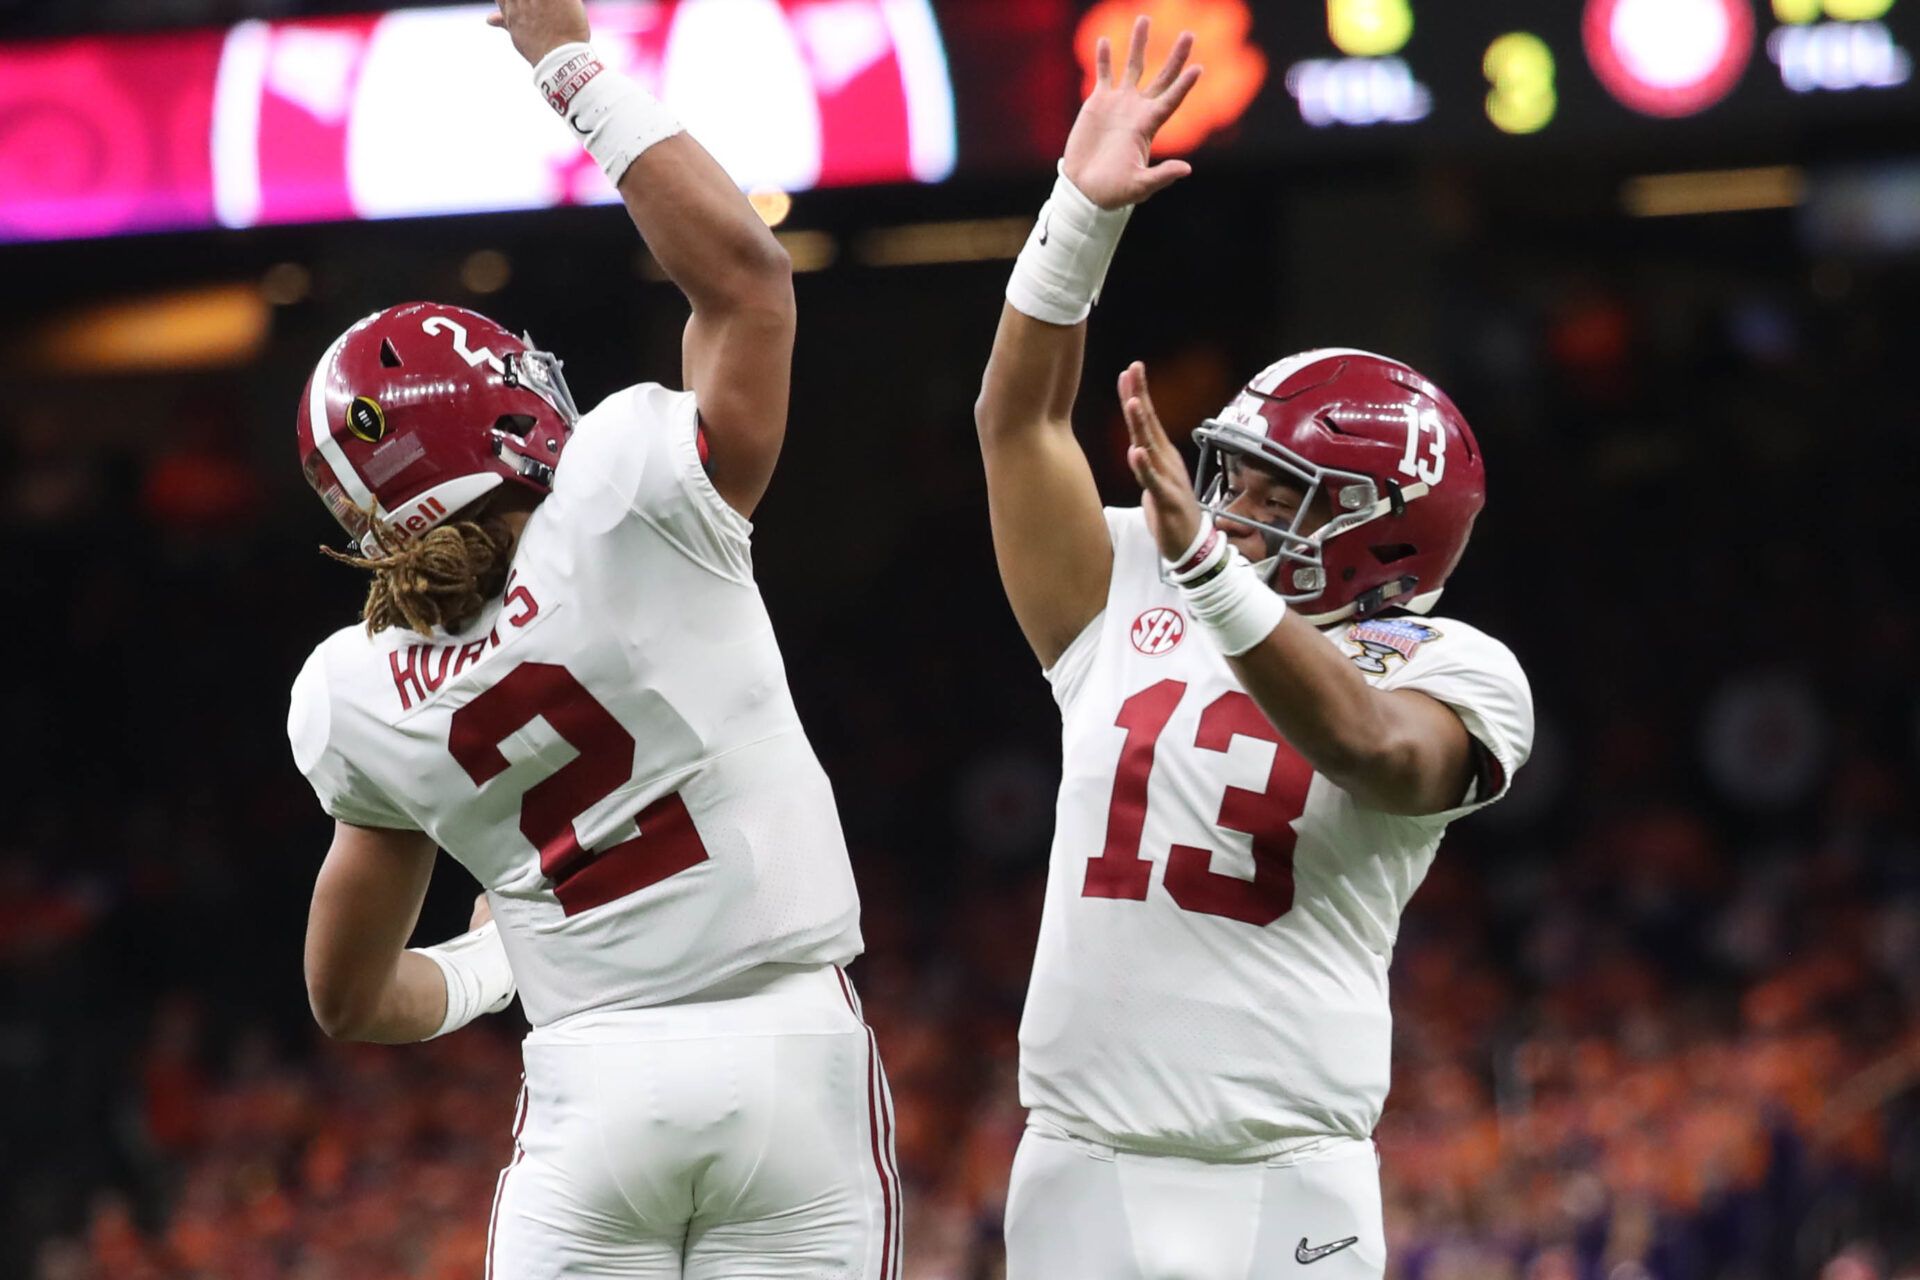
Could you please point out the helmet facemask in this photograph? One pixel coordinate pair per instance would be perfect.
(539, 372)
(1296, 564)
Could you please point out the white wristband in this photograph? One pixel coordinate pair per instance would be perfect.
(1209, 548)
(1060, 271)
(479, 979)
(1235, 605)
(614, 118)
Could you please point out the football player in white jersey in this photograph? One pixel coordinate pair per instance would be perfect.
(567, 679)
(1265, 734)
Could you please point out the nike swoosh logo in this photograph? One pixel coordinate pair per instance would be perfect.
(1046, 228)
(1303, 1255)
(574, 120)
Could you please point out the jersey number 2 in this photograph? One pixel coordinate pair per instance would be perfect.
(667, 843)
(1267, 815)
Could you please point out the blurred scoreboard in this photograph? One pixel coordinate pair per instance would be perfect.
(415, 111)
(428, 110)
(1319, 76)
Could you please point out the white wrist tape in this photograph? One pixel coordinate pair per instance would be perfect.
(1234, 604)
(479, 980)
(615, 119)
(1058, 275)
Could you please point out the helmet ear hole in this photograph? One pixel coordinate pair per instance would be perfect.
(1392, 552)
(516, 425)
(389, 358)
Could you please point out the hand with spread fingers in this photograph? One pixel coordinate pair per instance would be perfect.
(538, 27)
(1108, 152)
(1166, 492)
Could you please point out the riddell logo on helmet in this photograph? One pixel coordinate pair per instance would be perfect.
(404, 529)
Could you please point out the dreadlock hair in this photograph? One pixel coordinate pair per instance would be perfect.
(442, 579)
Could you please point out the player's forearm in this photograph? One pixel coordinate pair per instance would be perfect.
(1033, 374)
(407, 1004)
(1326, 710)
(699, 227)
(705, 234)
(1031, 380)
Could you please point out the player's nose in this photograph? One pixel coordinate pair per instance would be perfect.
(1246, 539)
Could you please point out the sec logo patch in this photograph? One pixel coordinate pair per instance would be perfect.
(1157, 631)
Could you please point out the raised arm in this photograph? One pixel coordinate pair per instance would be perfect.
(738, 349)
(1048, 534)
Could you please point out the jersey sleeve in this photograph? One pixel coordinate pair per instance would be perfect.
(345, 793)
(1069, 671)
(1481, 680)
(636, 457)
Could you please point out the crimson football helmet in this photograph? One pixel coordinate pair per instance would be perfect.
(1398, 462)
(420, 410)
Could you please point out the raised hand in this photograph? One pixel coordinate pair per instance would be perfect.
(1166, 494)
(538, 27)
(1109, 151)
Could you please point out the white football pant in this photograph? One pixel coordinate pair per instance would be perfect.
(1077, 1210)
(741, 1134)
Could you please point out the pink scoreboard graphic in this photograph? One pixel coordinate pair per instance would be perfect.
(430, 111)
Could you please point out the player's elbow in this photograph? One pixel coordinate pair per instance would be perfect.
(995, 419)
(341, 1007)
(759, 277)
(986, 414)
(338, 1021)
(769, 268)
(776, 262)
(1378, 763)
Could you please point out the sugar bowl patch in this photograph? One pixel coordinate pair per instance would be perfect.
(1381, 639)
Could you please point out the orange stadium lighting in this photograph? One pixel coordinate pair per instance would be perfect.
(1664, 195)
(928, 243)
(191, 329)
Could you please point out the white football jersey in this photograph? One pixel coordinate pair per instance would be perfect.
(1211, 977)
(611, 749)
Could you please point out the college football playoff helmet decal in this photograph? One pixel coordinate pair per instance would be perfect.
(1396, 461)
(421, 409)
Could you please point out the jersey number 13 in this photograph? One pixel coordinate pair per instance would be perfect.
(1267, 815)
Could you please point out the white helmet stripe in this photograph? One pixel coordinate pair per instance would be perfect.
(1280, 370)
(356, 488)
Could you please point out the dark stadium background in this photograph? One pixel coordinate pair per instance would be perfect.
(1655, 1014)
